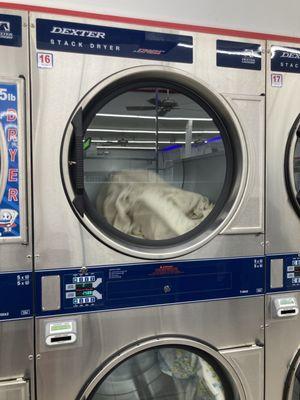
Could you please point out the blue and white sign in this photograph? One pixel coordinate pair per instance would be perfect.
(10, 202)
(114, 42)
(10, 30)
(16, 295)
(285, 59)
(239, 55)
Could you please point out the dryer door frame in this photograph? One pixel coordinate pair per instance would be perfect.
(294, 137)
(231, 377)
(240, 173)
(294, 369)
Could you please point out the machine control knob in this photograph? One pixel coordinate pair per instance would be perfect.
(167, 289)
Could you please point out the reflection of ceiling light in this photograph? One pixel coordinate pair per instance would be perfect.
(146, 131)
(245, 53)
(135, 141)
(126, 147)
(152, 117)
(190, 46)
(284, 49)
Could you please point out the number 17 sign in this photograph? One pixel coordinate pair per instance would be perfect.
(277, 80)
(44, 60)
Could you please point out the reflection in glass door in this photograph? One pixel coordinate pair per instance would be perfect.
(165, 373)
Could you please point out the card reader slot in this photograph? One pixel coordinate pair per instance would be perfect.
(58, 339)
(288, 312)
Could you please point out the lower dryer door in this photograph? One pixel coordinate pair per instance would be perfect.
(292, 384)
(165, 369)
(292, 165)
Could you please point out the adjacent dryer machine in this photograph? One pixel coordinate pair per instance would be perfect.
(16, 311)
(283, 221)
(148, 164)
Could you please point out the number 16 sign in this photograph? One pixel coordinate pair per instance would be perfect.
(45, 60)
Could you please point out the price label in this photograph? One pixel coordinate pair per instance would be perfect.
(45, 60)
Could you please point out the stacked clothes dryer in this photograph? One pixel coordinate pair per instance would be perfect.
(16, 322)
(148, 171)
(283, 222)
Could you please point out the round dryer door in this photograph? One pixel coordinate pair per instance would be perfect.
(151, 164)
(174, 372)
(292, 166)
(292, 384)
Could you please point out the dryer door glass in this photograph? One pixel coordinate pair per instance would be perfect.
(167, 373)
(297, 169)
(156, 163)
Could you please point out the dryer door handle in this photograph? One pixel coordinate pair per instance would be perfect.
(79, 175)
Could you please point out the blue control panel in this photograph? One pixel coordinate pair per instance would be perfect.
(138, 285)
(82, 290)
(283, 272)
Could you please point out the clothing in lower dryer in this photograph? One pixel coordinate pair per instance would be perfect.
(140, 203)
(193, 376)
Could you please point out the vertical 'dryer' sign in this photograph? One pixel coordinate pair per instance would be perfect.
(9, 172)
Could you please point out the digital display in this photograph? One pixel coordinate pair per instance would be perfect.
(83, 279)
(84, 293)
(81, 286)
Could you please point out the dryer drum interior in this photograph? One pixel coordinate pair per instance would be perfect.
(292, 165)
(151, 162)
(166, 373)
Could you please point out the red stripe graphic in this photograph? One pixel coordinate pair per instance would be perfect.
(147, 22)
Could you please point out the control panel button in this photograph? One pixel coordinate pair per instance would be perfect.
(290, 275)
(70, 286)
(70, 295)
(97, 295)
(97, 283)
(291, 268)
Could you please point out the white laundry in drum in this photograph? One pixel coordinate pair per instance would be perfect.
(193, 376)
(141, 204)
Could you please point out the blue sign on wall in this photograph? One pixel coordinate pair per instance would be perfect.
(238, 55)
(10, 202)
(114, 42)
(285, 59)
(10, 30)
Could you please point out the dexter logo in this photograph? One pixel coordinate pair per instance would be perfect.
(153, 52)
(78, 32)
(286, 54)
(5, 32)
(4, 26)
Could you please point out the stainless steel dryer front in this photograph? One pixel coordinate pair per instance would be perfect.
(16, 309)
(148, 155)
(283, 221)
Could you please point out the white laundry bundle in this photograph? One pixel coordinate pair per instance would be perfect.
(194, 378)
(141, 204)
